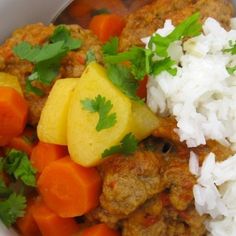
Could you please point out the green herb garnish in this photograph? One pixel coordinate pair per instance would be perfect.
(46, 58)
(100, 11)
(232, 48)
(188, 28)
(127, 146)
(90, 56)
(12, 208)
(111, 47)
(122, 78)
(103, 108)
(17, 164)
(231, 70)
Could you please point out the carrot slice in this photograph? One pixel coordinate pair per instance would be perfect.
(51, 224)
(13, 112)
(106, 26)
(4, 140)
(45, 153)
(100, 230)
(27, 225)
(68, 188)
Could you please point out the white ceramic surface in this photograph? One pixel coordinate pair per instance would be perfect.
(16, 13)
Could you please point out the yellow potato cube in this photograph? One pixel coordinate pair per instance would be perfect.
(52, 126)
(144, 121)
(9, 80)
(85, 143)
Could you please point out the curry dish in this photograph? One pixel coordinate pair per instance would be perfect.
(148, 192)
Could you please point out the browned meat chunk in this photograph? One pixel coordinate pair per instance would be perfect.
(130, 181)
(37, 34)
(154, 219)
(180, 183)
(148, 19)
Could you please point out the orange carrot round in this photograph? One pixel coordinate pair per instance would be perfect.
(51, 224)
(106, 26)
(68, 188)
(13, 112)
(100, 230)
(27, 225)
(4, 140)
(45, 153)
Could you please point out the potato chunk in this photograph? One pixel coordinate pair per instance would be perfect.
(85, 143)
(144, 121)
(10, 81)
(52, 126)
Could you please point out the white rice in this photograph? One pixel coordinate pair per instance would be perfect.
(202, 98)
(202, 95)
(215, 193)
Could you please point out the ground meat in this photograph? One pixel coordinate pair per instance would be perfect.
(129, 181)
(150, 193)
(37, 34)
(179, 182)
(148, 19)
(156, 219)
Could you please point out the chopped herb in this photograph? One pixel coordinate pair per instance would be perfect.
(17, 164)
(100, 11)
(12, 208)
(46, 58)
(62, 34)
(111, 47)
(231, 70)
(4, 190)
(164, 65)
(90, 56)
(103, 108)
(122, 78)
(128, 145)
(232, 48)
(188, 28)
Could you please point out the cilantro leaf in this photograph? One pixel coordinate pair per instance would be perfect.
(232, 48)
(90, 56)
(128, 145)
(100, 11)
(12, 208)
(188, 28)
(139, 58)
(231, 70)
(16, 163)
(26, 51)
(4, 190)
(164, 65)
(111, 46)
(122, 78)
(46, 58)
(62, 34)
(102, 107)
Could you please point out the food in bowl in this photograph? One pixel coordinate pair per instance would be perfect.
(127, 129)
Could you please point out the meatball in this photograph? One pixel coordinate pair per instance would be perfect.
(72, 65)
(148, 19)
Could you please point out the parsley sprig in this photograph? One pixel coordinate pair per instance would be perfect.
(12, 201)
(232, 48)
(12, 208)
(152, 60)
(103, 107)
(46, 58)
(17, 164)
(127, 146)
